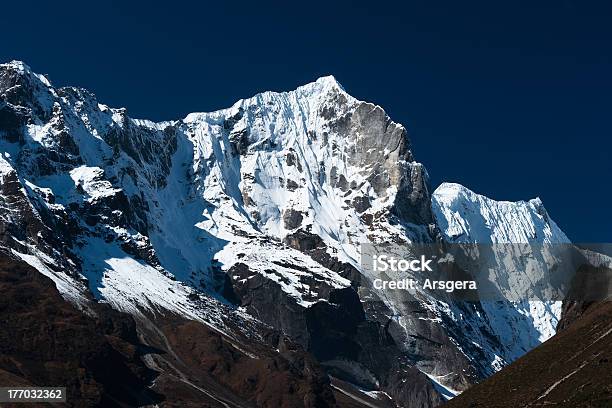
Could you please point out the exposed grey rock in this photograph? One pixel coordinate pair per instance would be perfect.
(292, 218)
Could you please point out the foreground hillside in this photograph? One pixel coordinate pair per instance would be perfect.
(572, 369)
(103, 360)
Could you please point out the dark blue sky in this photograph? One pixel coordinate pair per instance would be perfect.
(511, 99)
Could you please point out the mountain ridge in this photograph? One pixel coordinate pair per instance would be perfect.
(253, 213)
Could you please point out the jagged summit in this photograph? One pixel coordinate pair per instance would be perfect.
(321, 84)
(319, 88)
(16, 65)
(307, 95)
(23, 69)
(464, 216)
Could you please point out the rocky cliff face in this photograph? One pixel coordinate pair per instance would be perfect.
(254, 213)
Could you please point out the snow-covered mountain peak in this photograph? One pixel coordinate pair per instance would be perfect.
(329, 79)
(21, 87)
(19, 66)
(322, 86)
(24, 70)
(310, 94)
(464, 216)
(314, 158)
(318, 89)
(268, 200)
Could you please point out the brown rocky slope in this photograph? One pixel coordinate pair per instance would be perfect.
(572, 369)
(110, 359)
(45, 341)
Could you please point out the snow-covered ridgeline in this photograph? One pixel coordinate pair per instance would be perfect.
(466, 217)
